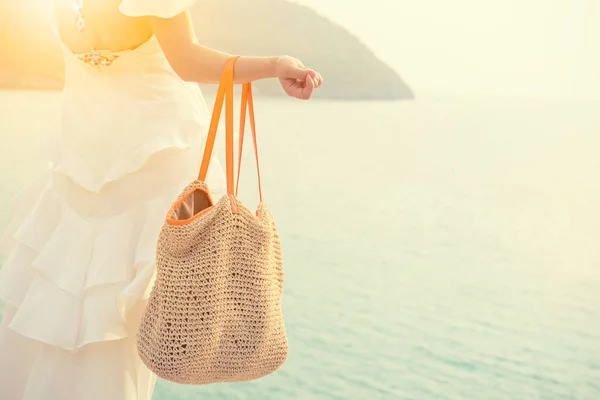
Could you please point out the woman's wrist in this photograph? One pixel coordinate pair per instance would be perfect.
(274, 66)
(249, 68)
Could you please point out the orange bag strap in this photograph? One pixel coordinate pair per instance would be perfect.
(249, 103)
(225, 92)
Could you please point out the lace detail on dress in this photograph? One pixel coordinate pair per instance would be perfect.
(95, 58)
(98, 58)
(77, 6)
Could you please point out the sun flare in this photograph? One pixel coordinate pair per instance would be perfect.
(22, 12)
(31, 39)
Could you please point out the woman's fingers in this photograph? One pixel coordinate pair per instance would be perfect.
(320, 79)
(309, 87)
(304, 87)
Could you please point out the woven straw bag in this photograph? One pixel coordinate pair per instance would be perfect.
(214, 313)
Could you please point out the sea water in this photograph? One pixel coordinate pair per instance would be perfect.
(437, 249)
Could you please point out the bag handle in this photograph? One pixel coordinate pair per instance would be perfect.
(225, 92)
(249, 103)
(226, 81)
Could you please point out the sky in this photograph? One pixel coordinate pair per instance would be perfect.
(499, 47)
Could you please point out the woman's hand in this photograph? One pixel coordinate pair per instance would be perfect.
(296, 79)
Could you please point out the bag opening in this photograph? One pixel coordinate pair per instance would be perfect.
(190, 206)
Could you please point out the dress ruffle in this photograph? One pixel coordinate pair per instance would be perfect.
(158, 8)
(64, 271)
(180, 126)
(94, 180)
(80, 265)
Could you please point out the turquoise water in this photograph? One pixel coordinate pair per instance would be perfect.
(434, 250)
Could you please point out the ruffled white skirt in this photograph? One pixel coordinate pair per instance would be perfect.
(78, 273)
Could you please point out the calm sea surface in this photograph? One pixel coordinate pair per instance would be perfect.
(434, 250)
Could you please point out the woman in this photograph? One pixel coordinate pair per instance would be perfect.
(80, 253)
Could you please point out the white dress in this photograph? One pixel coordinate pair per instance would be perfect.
(80, 250)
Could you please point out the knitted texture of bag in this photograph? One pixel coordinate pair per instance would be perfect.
(214, 313)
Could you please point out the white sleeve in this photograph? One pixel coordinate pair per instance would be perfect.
(157, 8)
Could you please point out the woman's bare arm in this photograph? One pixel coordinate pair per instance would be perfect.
(196, 63)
